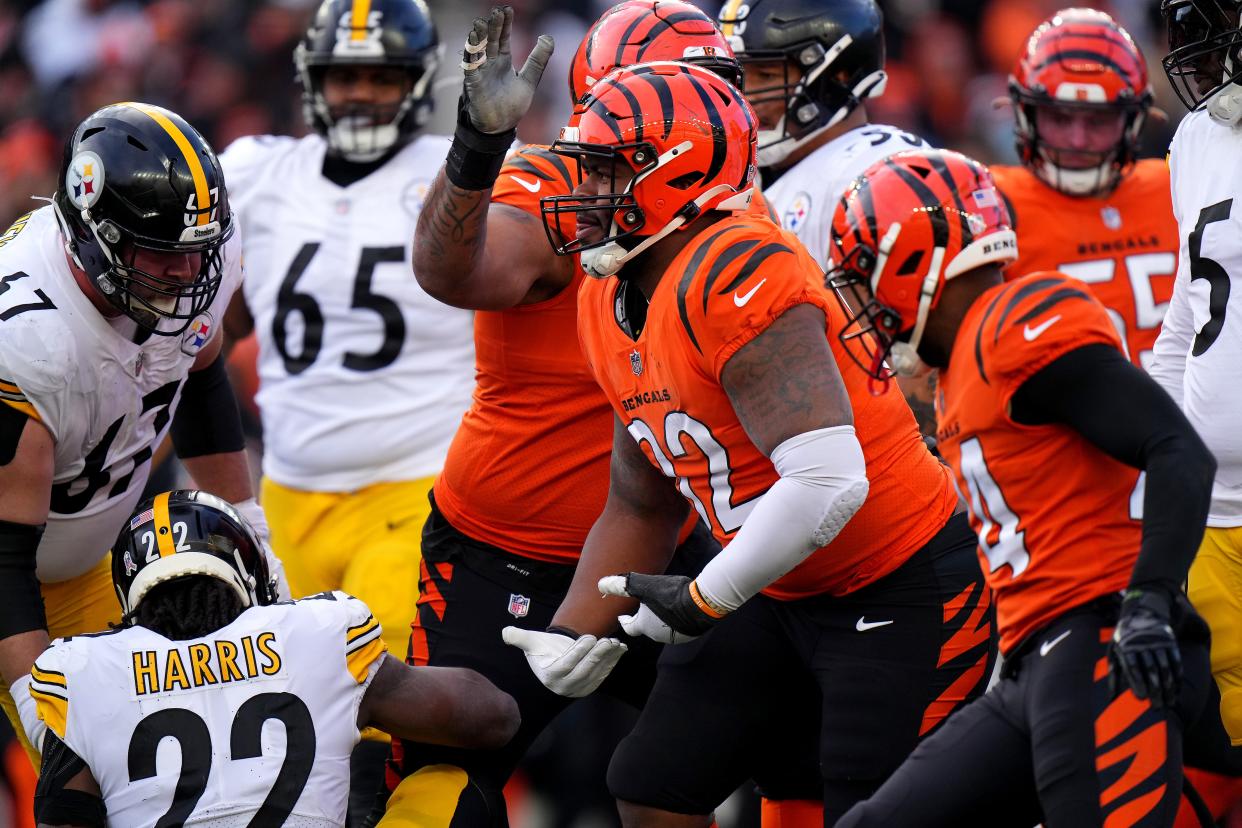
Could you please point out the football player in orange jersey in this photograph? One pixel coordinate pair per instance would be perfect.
(1081, 202)
(1047, 427)
(713, 344)
(527, 472)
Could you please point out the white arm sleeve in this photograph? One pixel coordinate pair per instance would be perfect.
(823, 482)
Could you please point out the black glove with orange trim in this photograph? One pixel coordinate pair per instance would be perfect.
(672, 610)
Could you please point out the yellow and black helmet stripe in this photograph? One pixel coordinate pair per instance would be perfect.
(202, 190)
(163, 526)
(358, 15)
(727, 15)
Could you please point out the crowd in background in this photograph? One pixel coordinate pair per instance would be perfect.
(226, 66)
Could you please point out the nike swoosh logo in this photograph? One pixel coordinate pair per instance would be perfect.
(532, 186)
(745, 297)
(863, 624)
(1047, 646)
(1032, 334)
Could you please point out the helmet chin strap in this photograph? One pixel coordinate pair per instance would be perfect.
(1225, 107)
(775, 145)
(906, 360)
(605, 260)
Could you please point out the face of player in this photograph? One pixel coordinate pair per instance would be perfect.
(178, 268)
(1079, 134)
(599, 179)
(1188, 26)
(765, 89)
(373, 90)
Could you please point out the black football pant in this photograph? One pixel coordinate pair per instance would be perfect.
(817, 698)
(1050, 743)
(470, 591)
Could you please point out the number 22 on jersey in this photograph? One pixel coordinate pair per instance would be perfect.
(678, 424)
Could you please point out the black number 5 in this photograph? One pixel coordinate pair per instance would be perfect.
(245, 742)
(1217, 277)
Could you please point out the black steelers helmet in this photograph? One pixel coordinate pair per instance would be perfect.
(833, 53)
(1204, 63)
(136, 177)
(182, 533)
(368, 33)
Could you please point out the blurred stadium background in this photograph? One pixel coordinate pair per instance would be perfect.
(226, 66)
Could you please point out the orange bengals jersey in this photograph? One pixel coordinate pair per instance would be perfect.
(1052, 512)
(725, 288)
(1123, 245)
(528, 468)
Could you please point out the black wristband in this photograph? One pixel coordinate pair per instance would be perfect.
(207, 419)
(21, 600)
(564, 631)
(475, 158)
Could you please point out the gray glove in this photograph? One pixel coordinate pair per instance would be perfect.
(496, 96)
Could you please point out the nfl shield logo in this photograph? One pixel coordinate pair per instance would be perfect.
(1111, 217)
(636, 362)
(519, 605)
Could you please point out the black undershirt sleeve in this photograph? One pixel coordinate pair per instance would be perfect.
(21, 601)
(1120, 410)
(54, 803)
(208, 420)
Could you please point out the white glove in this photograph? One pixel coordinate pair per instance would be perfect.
(496, 96)
(252, 513)
(644, 622)
(27, 711)
(567, 666)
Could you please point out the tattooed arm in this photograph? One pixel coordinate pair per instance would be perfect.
(471, 253)
(785, 381)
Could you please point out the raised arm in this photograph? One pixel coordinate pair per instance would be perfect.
(469, 252)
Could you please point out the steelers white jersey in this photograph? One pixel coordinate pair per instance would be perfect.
(806, 195)
(105, 393)
(1199, 351)
(252, 724)
(363, 377)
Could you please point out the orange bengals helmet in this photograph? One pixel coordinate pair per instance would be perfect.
(1080, 59)
(639, 31)
(906, 226)
(683, 139)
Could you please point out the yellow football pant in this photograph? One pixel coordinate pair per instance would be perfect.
(84, 604)
(1215, 588)
(366, 543)
(441, 796)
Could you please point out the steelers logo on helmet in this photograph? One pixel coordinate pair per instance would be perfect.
(84, 180)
